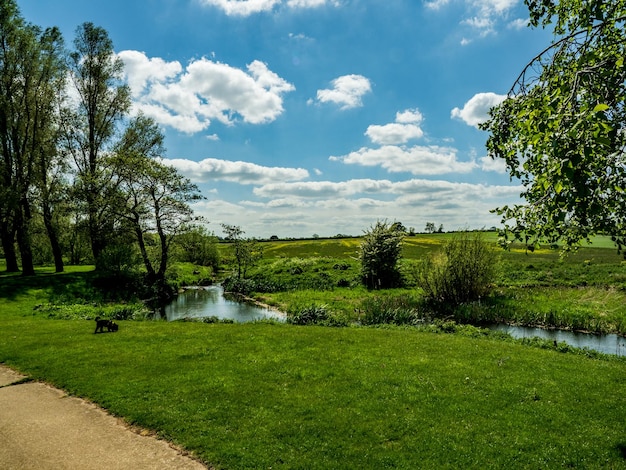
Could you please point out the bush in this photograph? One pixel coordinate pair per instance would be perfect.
(463, 272)
(396, 310)
(380, 253)
(313, 315)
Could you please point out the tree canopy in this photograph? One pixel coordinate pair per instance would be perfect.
(561, 130)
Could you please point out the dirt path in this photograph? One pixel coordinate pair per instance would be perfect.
(43, 428)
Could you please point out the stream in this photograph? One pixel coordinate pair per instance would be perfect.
(607, 344)
(203, 302)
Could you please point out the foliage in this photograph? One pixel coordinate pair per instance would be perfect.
(380, 252)
(89, 127)
(246, 251)
(392, 310)
(462, 272)
(31, 73)
(312, 315)
(152, 198)
(560, 131)
(199, 247)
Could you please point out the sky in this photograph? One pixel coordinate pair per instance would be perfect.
(301, 118)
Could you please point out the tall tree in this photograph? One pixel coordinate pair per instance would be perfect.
(90, 125)
(31, 68)
(561, 129)
(153, 197)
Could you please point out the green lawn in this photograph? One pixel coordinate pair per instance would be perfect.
(275, 395)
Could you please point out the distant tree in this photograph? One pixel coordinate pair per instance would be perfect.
(440, 229)
(90, 125)
(380, 253)
(198, 246)
(399, 227)
(274, 237)
(247, 251)
(430, 227)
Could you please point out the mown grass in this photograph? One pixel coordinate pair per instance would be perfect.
(274, 395)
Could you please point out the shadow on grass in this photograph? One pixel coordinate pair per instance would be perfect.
(80, 282)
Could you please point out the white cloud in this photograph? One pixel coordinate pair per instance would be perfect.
(404, 129)
(476, 110)
(418, 160)
(492, 164)
(250, 7)
(482, 16)
(519, 23)
(188, 99)
(349, 207)
(347, 91)
(212, 169)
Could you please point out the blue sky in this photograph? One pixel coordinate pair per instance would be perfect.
(303, 117)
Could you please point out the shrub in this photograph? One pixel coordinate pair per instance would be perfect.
(380, 253)
(314, 315)
(463, 272)
(396, 310)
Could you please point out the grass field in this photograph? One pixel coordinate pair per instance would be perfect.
(267, 395)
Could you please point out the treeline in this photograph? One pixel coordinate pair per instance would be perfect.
(76, 169)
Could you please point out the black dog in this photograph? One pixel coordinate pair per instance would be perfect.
(102, 324)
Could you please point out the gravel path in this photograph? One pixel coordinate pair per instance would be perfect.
(43, 428)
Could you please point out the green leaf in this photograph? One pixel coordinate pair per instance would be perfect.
(600, 107)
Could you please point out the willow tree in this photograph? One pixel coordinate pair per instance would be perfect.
(561, 130)
(91, 122)
(31, 74)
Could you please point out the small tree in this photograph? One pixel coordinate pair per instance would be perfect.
(380, 253)
(246, 250)
(462, 272)
(430, 227)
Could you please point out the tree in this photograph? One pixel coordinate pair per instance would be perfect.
(152, 198)
(380, 253)
(90, 126)
(430, 227)
(31, 71)
(561, 128)
(246, 250)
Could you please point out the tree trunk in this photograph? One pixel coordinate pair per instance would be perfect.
(23, 241)
(54, 240)
(7, 234)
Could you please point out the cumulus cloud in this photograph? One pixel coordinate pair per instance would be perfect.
(347, 91)
(187, 99)
(476, 110)
(404, 129)
(250, 7)
(418, 160)
(212, 169)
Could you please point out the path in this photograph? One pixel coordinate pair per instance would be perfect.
(43, 428)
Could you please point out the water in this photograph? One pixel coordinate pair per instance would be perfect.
(607, 344)
(209, 301)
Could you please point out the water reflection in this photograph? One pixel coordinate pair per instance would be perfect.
(607, 344)
(209, 301)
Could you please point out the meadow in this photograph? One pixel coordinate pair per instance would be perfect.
(276, 395)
